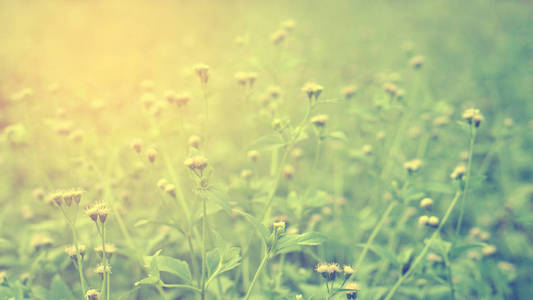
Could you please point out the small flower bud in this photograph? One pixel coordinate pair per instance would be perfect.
(194, 141)
(423, 220)
(171, 190)
(136, 144)
(202, 71)
(297, 153)
(348, 271)
(426, 203)
(367, 149)
(253, 155)
(391, 89)
(433, 222)
(288, 25)
(246, 174)
(196, 163)
(458, 172)
(353, 288)
(473, 116)
(412, 165)
(319, 120)
(92, 295)
(278, 37)
(109, 250)
(161, 183)
(349, 91)
(416, 62)
(312, 90)
(151, 154)
(288, 172)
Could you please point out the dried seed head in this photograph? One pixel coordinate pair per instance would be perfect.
(473, 116)
(253, 155)
(202, 71)
(319, 120)
(416, 62)
(151, 154)
(426, 203)
(278, 37)
(349, 91)
(196, 162)
(194, 141)
(92, 295)
(136, 144)
(288, 172)
(353, 288)
(458, 172)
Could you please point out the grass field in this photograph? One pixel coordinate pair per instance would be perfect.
(297, 149)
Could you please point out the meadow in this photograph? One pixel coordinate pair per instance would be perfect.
(266, 150)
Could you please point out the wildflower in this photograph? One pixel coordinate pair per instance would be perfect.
(278, 37)
(484, 236)
(109, 250)
(147, 85)
(253, 155)
(349, 91)
(194, 141)
(288, 25)
(244, 78)
(196, 162)
(441, 121)
(72, 252)
(182, 99)
(76, 136)
(416, 62)
(426, 203)
(434, 258)
(473, 116)
(161, 183)
(391, 89)
(473, 255)
(38, 193)
(276, 124)
(328, 270)
(148, 99)
(508, 122)
(380, 135)
(488, 250)
(458, 172)
(412, 165)
(151, 154)
(433, 222)
(400, 94)
(101, 269)
(274, 92)
(299, 297)
(319, 120)
(312, 90)
(367, 149)
(246, 174)
(171, 190)
(297, 153)
(279, 227)
(423, 220)
(353, 288)
(283, 219)
(98, 211)
(171, 96)
(288, 171)
(202, 71)
(39, 241)
(348, 271)
(92, 295)
(474, 231)
(136, 144)
(92, 212)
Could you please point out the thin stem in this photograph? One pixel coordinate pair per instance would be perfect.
(450, 278)
(259, 269)
(204, 246)
(374, 233)
(424, 251)
(467, 179)
(79, 261)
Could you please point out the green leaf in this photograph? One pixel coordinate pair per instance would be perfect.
(150, 280)
(220, 260)
(440, 246)
(339, 135)
(461, 248)
(292, 242)
(267, 143)
(383, 253)
(174, 266)
(220, 197)
(259, 227)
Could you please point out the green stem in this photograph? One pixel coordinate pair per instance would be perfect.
(450, 278)
(204, 247)
(79, 261)
(257, 273)
(467, 179)
(374, 233)
(424, 251)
